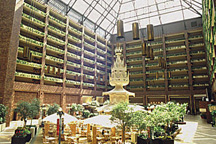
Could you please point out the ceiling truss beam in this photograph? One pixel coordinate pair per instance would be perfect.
(105, 15)
(190, 5)
(70, 7)
(97, 11)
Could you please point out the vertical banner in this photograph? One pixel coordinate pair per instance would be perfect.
(57, 126)
(62, 125)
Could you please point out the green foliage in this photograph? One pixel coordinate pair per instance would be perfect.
(95, 103)
(3, 112)
(28, 110)
(22, 132)
(24, 110)
(139, 120)
(87, 114)
(80, 108)
(34, 108)
(106, 102)
(122, 114)
(53, 109)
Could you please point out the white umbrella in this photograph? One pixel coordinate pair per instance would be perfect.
(102, 120)
(53, 118)
(108, 108)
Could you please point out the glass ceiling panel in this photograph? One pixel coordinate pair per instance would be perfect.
(141, 11)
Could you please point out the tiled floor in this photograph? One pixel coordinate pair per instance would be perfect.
(196, 131)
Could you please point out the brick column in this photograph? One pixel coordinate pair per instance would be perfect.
(9, 40)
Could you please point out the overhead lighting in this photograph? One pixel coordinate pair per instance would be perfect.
(144, 48)
(135, 28)
(150, 32)
(120, 29)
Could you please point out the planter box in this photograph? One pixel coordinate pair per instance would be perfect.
(28, 137)
(2, 126)
(154, 141)
(18, 140)
(168, 141)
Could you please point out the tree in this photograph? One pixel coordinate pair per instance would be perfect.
(24, 110)
(73, 109)
(34, 108)
(53, 109)
(3, 112)
(139, 120)
(122, 115)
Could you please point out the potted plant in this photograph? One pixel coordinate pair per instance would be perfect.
(87, 114)
(73, 109)
(23, 110)
(53, 109)
(3, 112)
(122, 115)
(34, 111)
(21, 136)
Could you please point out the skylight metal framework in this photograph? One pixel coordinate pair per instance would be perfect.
(105, 13)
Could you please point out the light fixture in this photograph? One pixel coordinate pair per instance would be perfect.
(151, 54)
(150, 32)
(148, 52)
(120, 29)
(143, 48)
(135, 28)
(157, 75)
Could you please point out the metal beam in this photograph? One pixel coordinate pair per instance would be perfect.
(142, 7)
(90, 5)
(98, 12)
(192, 7)
(143, 14)
(105, 15)
(183, 14)
(107, 9)
(197, 2)
(47, 1)
(108, 6)
(112, 29)
(70, 7)
(159, 17)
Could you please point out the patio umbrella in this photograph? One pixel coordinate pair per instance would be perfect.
(102, 120)
(108, 108)
(53, 118)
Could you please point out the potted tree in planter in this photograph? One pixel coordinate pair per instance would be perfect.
(53, 109)
(80, 109)
(3, 112)
(22, 134)
(122, 115)
(34, 111)
(73, 109)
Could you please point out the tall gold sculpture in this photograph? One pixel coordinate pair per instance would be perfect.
(119, 77)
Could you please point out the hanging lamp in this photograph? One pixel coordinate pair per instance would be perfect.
(150, 32)
(148, 51)
(143, 48)
(160, 61)
(151, 54)
(157, 75)
(120, 29)
(169, 74)
(135, 28)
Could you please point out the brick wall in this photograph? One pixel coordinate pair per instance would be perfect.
(72, 99)
(50, 98)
